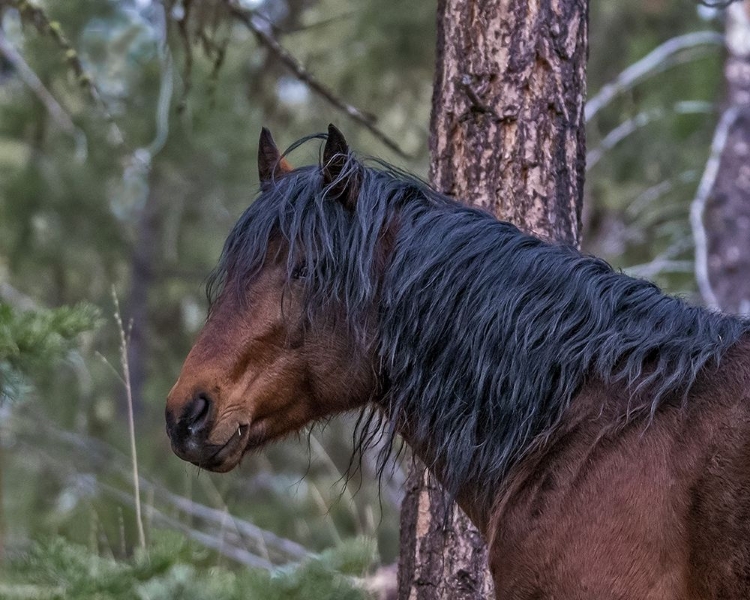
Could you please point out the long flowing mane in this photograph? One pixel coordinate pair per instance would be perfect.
(484, 334)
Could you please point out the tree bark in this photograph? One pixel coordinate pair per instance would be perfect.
(507, 134)
(507, 130)
(726, 216)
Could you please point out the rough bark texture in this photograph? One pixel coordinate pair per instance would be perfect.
(727, 210)
(507, 122)
(439, 558)
(507, 134)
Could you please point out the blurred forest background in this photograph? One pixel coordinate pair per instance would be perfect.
(128, 132)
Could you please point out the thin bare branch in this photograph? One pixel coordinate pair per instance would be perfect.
(140, 160)
(266, 39)
(219, 544)
(666, 262)
(58, 114)
(38, 18)
(699, 204)
(717, 3)
(619, 133)
(100, 455)
(655, 192)
(309, 26)
(165, 88)
(656, 61)
(658, 266)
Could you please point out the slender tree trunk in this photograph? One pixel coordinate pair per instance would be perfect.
(143, 260)
(507, 134)
(725, 282)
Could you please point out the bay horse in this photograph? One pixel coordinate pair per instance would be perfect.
(596, 430)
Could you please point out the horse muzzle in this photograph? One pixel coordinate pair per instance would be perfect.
(188, 431)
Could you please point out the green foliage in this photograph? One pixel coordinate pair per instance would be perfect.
(171, 569)
(33, 339)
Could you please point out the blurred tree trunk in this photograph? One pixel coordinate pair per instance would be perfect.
(143, 260)
(507, 134)
(725, 279)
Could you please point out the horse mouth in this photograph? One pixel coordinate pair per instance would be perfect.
(229, 455)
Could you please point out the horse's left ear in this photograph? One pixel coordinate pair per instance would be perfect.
(270, 162)
(340, 173)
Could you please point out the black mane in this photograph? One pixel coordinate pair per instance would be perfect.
(484, 333)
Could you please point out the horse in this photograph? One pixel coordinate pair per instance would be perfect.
(596, 430)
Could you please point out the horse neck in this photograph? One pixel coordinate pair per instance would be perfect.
(467, 497)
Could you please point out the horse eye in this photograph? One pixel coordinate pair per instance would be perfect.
(300, 271)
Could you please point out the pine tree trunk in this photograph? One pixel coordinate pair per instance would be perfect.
(507, 134)
(726, 215)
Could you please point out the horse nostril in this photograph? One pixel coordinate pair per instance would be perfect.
(196, 413)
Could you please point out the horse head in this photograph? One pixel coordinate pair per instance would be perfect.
(277, 350)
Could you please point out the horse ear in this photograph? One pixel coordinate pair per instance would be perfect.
(343, 185)
(270, 162)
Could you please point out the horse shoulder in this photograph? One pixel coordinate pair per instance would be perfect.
(657, 509)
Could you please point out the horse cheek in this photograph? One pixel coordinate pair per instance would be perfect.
(345, 379)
